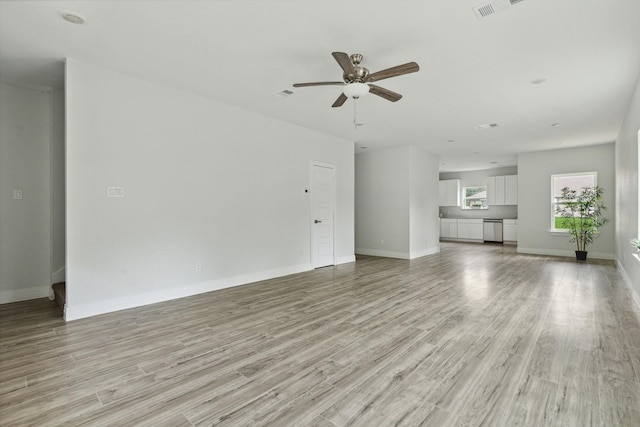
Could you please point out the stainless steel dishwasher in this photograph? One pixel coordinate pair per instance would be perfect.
(492, 230)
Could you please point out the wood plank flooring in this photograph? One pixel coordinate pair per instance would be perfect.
(476, 335)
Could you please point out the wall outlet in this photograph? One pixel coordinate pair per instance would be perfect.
(198, 266)
(17, 194)
(115, 191)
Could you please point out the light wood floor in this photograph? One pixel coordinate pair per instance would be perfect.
(475, 335)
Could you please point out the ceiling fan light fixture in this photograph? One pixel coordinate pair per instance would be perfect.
(355, 90)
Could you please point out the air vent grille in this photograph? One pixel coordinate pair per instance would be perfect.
(493, 7)
(486, 10)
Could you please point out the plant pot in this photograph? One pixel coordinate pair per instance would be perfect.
(581, 255)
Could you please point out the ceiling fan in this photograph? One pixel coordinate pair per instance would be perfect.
(357, 81)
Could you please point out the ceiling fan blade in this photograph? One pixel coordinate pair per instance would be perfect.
(345, 63)
(409, 67)
(318, 84)
(384, 93)
(341, 100)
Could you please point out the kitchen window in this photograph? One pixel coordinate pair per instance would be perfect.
(474, 197)
(574, 181)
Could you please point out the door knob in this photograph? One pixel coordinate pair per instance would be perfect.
(317, 221)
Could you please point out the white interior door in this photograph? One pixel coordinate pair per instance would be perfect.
(323, 190)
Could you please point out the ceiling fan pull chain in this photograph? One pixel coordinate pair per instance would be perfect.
(355, 113)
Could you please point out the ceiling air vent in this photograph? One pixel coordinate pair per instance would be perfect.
(493, 7)
(485, 10)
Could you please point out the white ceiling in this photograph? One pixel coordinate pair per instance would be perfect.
(472, 71)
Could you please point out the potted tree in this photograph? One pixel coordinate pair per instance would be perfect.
(582, 216)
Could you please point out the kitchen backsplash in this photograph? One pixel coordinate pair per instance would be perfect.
(504, 212)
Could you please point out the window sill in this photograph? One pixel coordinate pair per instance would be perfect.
(556, 232)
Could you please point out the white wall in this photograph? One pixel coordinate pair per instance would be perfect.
(204, 183)
(382, 202)
(25, 228)
(424, 231)
(397, 203)
(626, 155)
(534, 198)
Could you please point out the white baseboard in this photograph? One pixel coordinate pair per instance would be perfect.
(399, 255)
(565, 253)
(425, 252)
(15, 295)
(345, 259)
(627, 281)
(79, 311)
(386, 254)
(59, 275)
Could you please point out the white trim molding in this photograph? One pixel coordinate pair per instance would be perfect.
(58, 275)
(385, 254)
(74, 312)
(565, 253)
(627, 281)
(15, 295)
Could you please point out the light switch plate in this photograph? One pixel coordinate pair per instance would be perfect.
(17, 194)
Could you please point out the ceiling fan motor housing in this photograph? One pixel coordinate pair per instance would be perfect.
(360, 73)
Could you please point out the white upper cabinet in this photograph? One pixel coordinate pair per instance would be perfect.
(502, 190)
(511, 190)
(449, 192)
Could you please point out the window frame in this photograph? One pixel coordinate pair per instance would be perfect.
(463, 194)
(552, 221)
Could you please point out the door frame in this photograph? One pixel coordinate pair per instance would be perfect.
(312, 164)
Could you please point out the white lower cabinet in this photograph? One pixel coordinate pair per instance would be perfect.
(448, 228)
(465, 229)
(510, 230)
(470, 229)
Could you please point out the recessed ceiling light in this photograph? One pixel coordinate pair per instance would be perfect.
(443, 164)
(494, 163)
(73, 17)
(537, 81)
(563, 142)
(555, 125)
(363, 147)
(451, 140)
(475, 153)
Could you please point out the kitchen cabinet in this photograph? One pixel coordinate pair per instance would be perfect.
(511, 190)
(470, 229)
(502, 190)
(448, 228)
(449, 192)
(510, 230)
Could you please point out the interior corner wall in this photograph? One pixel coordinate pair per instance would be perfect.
(25, 221)
(206, 187)
(382, 202)
(534, 198)
(58, 261)
(396, 210)
(627, 227)
(424, 228)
